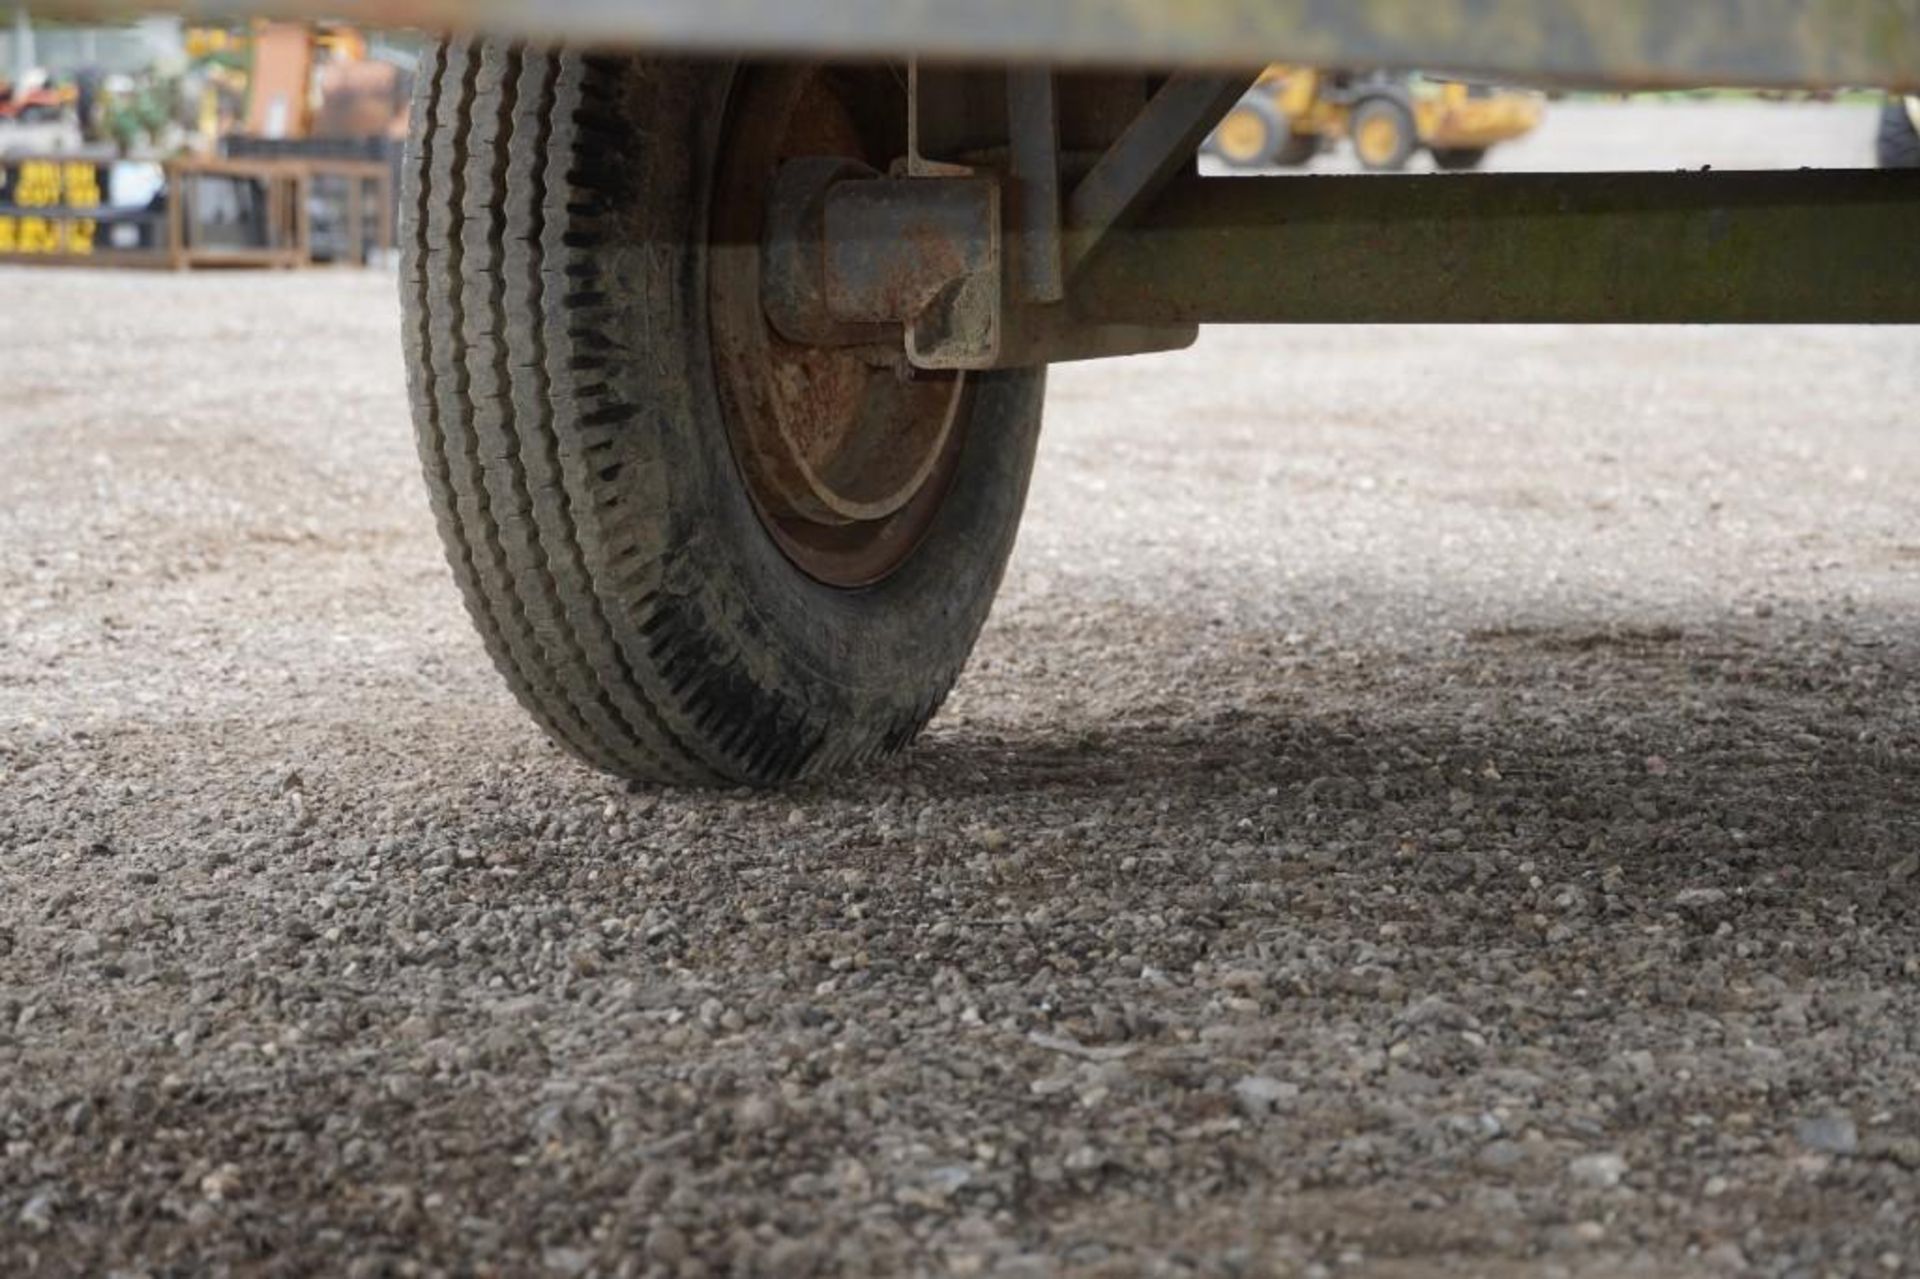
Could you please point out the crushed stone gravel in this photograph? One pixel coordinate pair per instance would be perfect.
(1428, 801)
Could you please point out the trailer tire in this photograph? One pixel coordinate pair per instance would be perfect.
(573, 423)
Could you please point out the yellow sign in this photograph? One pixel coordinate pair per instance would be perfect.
(80, 182)
(40, 235)
(55, 186)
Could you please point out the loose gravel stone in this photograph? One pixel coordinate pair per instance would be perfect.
(1260, 1095)
(1603, 1171)
(1833, 1133)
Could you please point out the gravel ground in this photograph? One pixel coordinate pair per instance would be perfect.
(1428, 801)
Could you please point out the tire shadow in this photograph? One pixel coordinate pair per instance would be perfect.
(1791, 750)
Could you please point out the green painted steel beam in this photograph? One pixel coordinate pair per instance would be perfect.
(1639, 43)
(1812, 247)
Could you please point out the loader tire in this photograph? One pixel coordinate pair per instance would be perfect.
(1898, 144)
(1298, 150)
(579, 435)
(1458, 159)
(1250, 134)
(1384, 135)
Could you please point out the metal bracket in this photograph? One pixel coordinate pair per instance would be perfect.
(854, 259)
(923, 252)
(1015, 124)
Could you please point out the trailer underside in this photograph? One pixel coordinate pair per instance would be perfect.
(1625, 43)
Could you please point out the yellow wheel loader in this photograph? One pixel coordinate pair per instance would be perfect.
(1293, 113)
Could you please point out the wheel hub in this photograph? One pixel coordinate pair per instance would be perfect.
(1241, 135)
(1378, 137)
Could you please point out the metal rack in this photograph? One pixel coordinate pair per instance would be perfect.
(52, 214)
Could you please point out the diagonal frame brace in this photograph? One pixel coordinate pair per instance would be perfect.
(1155, 148)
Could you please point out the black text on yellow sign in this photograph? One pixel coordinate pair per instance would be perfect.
(72, 237)
(55, 186)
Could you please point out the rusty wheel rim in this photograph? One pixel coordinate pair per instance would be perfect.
(846, 460)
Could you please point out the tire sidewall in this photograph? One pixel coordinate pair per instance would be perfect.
(1898, 143)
